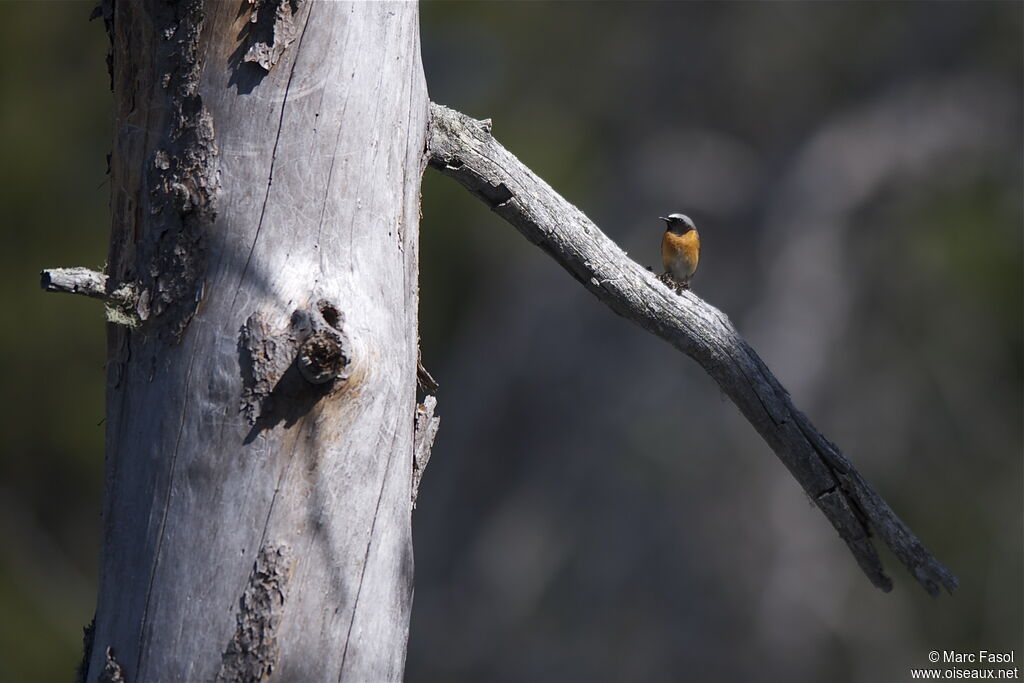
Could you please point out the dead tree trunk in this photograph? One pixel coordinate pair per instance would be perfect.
(262, 284)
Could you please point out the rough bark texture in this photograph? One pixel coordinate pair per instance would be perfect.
(463, 148)
(265, 195)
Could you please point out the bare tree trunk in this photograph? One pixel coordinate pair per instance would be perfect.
(262, 363)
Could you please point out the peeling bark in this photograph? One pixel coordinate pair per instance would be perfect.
(183, 179)
(165, 202)
(112, 671)
(272, 29)
(253, 651)
(265, 355)
(426, 426)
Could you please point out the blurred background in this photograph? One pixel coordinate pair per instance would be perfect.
(595, 509)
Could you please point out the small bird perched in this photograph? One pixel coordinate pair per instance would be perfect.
(680, 249)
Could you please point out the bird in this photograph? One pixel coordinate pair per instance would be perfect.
(680, 249)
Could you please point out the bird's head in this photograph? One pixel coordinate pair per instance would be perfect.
(678, 223)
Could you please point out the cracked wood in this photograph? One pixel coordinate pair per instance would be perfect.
(462, 148)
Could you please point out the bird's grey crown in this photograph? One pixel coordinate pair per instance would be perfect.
(676, 218)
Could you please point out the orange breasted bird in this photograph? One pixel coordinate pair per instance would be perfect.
(680, 248)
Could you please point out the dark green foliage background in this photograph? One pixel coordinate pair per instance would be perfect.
(594, 509)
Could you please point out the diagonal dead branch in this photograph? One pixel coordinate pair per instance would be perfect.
(463, 148)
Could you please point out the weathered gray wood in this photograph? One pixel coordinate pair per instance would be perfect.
(277, 180)
(425, 431)
(74, 281)
(463, 148)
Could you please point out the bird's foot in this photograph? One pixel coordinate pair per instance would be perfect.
(675, 285)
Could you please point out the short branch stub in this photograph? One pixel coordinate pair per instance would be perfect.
(321, 358)
(82, 281)
(324, 348)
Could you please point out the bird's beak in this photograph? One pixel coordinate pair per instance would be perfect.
(662, 218)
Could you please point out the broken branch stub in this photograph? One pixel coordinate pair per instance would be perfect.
(313, 347)
(271, 29)
(76, 280)
(125, 305)
(324, 351)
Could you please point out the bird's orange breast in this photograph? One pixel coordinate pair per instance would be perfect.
(680, 254)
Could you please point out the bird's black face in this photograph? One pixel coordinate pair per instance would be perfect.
(678, 223)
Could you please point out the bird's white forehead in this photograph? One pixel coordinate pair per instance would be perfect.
(680, 217)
